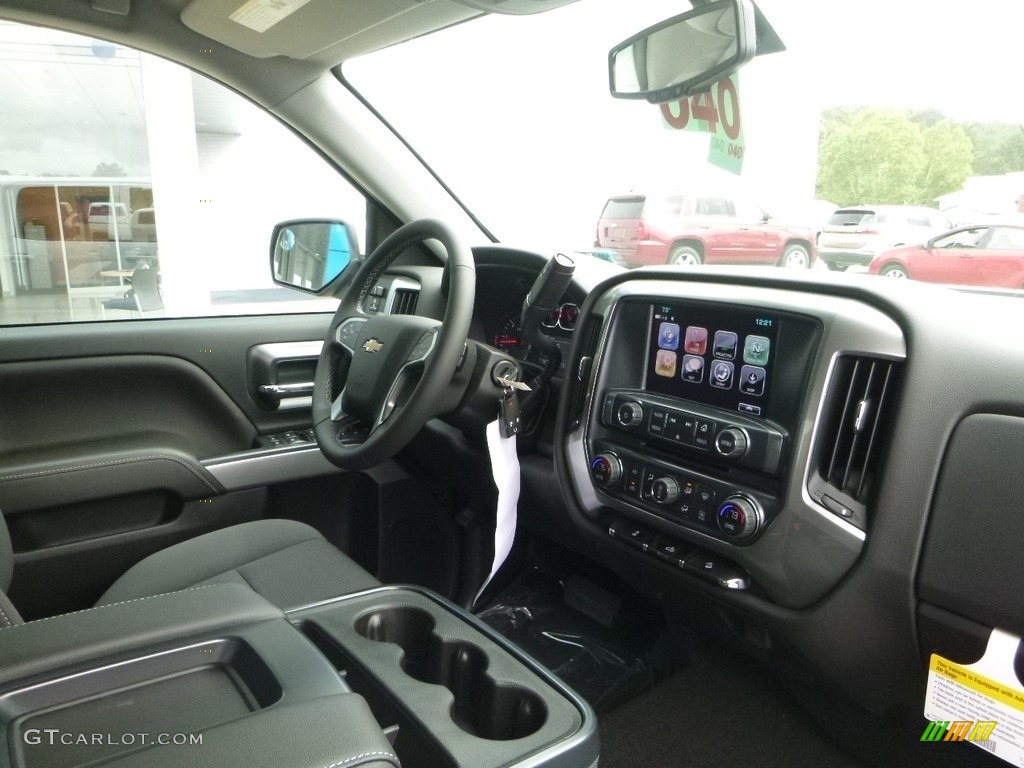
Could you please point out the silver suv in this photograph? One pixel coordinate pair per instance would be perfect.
(854, 236)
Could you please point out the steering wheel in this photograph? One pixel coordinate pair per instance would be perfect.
(380, 378)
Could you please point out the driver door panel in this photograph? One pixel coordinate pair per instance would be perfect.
(107, 431)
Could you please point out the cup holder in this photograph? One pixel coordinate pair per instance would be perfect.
(482, 707)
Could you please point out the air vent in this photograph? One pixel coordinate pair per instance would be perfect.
(405, 301)
(852, 434)
(578, 388)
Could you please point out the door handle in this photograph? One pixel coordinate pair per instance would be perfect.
(280, 391)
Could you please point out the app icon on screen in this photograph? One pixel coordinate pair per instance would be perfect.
(756, 350)
(696, 340)
(693, 369)
(665, 363)
(668, 336)
(725, 344)
(721, 374)
(752, 380)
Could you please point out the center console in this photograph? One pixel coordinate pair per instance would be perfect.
(216, 676)
(697, 405)
(699, 433)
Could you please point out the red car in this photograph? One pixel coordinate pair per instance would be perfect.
(698, 229)
(984, 254)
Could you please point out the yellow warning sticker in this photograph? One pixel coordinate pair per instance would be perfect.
(978, 683)
(965, 705)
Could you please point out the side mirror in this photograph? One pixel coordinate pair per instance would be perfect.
(684, 55)
(309, 254)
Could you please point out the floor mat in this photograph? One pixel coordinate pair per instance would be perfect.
(722, 711)
(605, 665)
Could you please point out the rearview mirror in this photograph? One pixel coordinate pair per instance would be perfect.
(684, 55)
(309, 255)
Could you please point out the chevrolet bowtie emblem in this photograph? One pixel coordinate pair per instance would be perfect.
(372, 345)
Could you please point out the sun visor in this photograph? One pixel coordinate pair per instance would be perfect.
(328, 31)
(515, 7)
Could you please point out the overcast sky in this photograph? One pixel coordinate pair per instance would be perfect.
(514, 111)
(515, 114)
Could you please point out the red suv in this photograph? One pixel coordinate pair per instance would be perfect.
(699, 229)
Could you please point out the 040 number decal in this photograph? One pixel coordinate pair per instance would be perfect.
(720, 105)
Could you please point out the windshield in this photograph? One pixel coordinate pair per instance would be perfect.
(903, 104)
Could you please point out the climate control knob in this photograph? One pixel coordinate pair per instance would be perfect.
(606, 469)
(731, 443)
(630, 414)
(664, 491)
(739, 517)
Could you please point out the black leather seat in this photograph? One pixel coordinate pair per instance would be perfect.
(288, 563)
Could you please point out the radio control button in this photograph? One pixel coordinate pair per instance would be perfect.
(680, 427)
(630, 414)
(704, 434)
(731, 443)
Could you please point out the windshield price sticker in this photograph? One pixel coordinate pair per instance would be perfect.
(961, 695)
(716, 112)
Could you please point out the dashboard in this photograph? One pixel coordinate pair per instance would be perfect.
(501, 289)
(699, 448)
(792, 460)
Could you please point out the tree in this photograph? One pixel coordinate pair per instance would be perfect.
(948, 152)
(874, 157)
(998, 147)
(880, 156)
(109, 169)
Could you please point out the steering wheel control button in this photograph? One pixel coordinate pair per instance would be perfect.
(423, 347)
(348, 333)
(631, 414)
(664, 491)
(731, 442)
(606, 469)
(739, 518)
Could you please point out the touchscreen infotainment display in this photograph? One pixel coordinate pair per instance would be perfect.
(715, 355)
